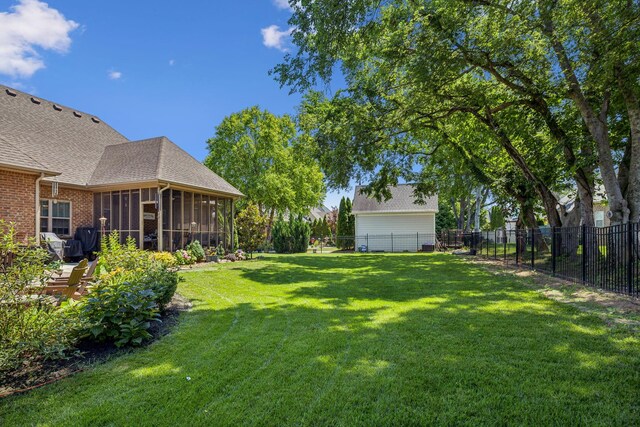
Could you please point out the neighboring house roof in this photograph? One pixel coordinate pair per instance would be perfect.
(568, 199)
(402, 200)
(156, 159)
(319, 212)
(39, 135)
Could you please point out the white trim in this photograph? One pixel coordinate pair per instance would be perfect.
(393, 212)
(37, 197)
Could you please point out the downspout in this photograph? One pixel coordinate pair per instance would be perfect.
(37, 211)
(160, 219)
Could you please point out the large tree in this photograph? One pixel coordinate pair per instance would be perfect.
(553, 84)
(268, 160)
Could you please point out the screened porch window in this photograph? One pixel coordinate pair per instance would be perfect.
(55, 217)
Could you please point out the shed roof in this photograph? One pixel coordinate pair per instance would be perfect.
(402, 201)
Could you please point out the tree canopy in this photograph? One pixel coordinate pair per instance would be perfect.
(268, 160)
(530, 99)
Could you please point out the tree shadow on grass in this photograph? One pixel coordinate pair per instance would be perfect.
(455, 352)
(405, 277)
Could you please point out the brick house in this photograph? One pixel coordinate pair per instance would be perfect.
(61, 169)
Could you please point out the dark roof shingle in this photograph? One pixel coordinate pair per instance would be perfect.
(156, 159)
(56, 139)
(42, 136)
(12, 157)
(402, 200)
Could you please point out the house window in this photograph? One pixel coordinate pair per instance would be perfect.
(598, 218)
(55, 217)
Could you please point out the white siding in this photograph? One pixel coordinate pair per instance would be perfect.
(409, 231)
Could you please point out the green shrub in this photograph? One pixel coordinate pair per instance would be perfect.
(114, 255)
(292, 236)
(163, 282)
(164, 258)
(119, 308)
(183, 257)
(196, 250)
(31, 325)
(281, 235)
(220, 252)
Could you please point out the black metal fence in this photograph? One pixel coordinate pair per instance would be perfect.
(605, 257)
(412, 242)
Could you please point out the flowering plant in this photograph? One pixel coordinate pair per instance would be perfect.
(183, 257)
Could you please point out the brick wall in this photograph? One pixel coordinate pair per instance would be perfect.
(81, 204)
(17, 201)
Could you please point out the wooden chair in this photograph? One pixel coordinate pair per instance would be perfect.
(88, 275)
(72, 285)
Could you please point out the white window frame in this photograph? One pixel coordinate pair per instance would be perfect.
(49, 219)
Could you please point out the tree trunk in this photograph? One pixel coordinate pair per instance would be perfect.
(463, 209)
(454, 209)
(633, 177)
(596, 124)
(467, 223)
(270, 225)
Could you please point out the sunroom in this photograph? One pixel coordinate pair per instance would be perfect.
(163, 198)
(165, 218)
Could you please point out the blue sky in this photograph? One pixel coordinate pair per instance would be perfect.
(150, 68)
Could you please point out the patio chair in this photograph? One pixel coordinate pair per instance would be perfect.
(88, 276)
(72, 286)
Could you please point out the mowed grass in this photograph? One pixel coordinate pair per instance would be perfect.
(358, 340)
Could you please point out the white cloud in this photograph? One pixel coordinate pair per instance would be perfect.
(273, 37)
(29, 25)
(172, 62)
(114, 75)
(282, 4)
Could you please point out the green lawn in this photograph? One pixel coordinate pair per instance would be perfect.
(358, 339)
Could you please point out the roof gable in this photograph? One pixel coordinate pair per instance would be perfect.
(402, 200)
(156, 159)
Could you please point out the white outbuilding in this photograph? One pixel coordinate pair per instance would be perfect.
(399, 224)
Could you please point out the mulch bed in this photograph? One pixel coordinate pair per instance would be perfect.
(35, 374)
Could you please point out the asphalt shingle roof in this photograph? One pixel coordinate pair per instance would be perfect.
(12, 157)
(156, 159)
(39, 135)
(53, 135)
(402, 200)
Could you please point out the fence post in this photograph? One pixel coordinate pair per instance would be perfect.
(518, 232)
(553, 250)
(391, 242)
(495, 244)
(367, 242)
(630, 257)
(417, 242)
(584, 254)
(505, 238)
(533, 248)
